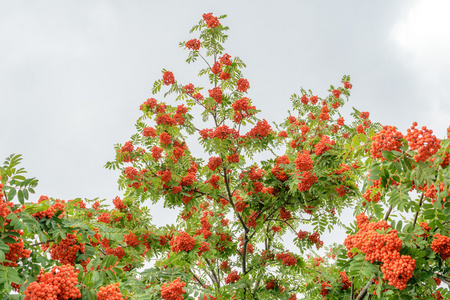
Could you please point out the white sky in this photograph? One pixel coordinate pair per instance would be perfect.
(73, 73)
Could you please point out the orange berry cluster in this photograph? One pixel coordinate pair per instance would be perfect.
(287, 259)
(425, 227)
(131, 240)
(173, 291)
(5, 210)
(110, 292)
(118, 203)
(324, 291)
(441, 245)
(306, 181)
(397, 269)
(97, 236)
(118, 251)
(182, 242)
(285, 214)
(324, 145)
(16, 251)
(232, 277)
(346, 283)
(59, 283)
(270, 285)
(66, 251)
(423, 141)
(388, 139)
(303, 161)
(368, 193)
(241, 109)
(315, 239)
(437, 295)
(49, 212)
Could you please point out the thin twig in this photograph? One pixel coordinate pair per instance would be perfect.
(196, 278)
(41, 243)
(363, 292)
(388, 213)
(417, 212)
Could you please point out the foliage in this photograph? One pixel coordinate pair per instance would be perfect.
(229, 241)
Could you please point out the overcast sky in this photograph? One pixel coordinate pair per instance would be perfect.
(73, 73)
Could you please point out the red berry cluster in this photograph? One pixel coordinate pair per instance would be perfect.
(210, 20)
(347, 85)
(303, 162)
(277, 171)
(216, 94)
(206, 226)
(270, 285)
(66, 250)
(287, 259)
(16, 249)
(104, 218)
(224, 265)
(118, 252)
(346, 283)
(110, 292)
(324, 145)
(437, 295)
(182, 242)
(204, 247)
(315, 239)
(232, 277)
(214, 163)
(49, 212)
(285, 214)
(369, 196)
(241, 109)
(193, 44)
(242, 85)
(388, 139)
(423, 141)
(441, 245)
(168, 78)
(131, 240)
(173, 290)
(324, 291)
(16, 252)
(306, 181)
(118, 203)
(397, 269)
(302, 234)
(59, 283)
(261, 129)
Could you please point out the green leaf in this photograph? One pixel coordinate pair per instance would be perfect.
(11, 194)
(14, 276)
(20, 196)
(3, 246)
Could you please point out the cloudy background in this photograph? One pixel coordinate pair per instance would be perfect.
(73, 73)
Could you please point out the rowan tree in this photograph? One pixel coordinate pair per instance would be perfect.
(229, 241)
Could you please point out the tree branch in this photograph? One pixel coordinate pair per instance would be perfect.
(388, 213)
(417, 212)
(41, 243)
(444, 278)
(196, 278)
(363, 292)
(214, 274)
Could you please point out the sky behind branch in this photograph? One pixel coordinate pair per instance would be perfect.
(73, 73)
